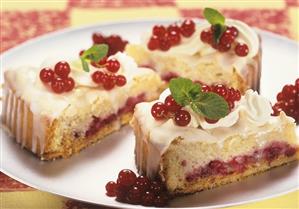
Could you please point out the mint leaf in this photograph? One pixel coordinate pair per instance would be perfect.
(96, 52)
(84, 64)
(213, 16)
(210, 105)
(217, 20)
(183, 90)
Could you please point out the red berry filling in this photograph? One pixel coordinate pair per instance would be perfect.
(239, 164)
(58, 79)
(163, 38)
(288, 101)
(115, 42)
(140, 190)
(226, 41)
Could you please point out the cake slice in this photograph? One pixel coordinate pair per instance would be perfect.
(192, 150)
(192, 50)
(59, 117)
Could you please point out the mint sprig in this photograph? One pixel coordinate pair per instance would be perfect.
(217, 20)
(93, 54)
(207, 104)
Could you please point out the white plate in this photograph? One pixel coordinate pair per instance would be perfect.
(83, 177)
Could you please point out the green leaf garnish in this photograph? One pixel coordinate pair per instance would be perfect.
(210, 105)
(217, 20)
(93, 54)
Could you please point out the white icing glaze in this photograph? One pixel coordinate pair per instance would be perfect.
(250, 116)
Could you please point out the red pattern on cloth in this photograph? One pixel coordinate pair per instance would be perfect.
(9, 184)
(273, 20)
(19, 26)
(119, 3)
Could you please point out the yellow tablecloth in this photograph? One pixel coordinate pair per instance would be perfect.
(25, 19)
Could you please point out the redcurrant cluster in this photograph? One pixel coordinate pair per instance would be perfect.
(230, 94)
(108, 80)
(115, 42)
(165, 37)
(288, 101)
(137, 190)
(58, 78)
(226, 42)
(171, 109)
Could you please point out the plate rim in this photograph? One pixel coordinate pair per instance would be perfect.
(71, 29)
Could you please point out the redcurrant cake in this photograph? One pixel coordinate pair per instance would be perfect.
(59, 109)
(199, 137)
(218, 51)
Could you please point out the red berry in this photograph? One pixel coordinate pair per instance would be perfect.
(112, 65)
(148, 198)
(134, 195)
(227, 38)
(173, 27)
(231, 105)
(187, 28)
(297, 84)
(276, 109)
(174, 38)
(153, 43)
(159, 111)
(62, 69)
(279, 96)
(97, 77)
(156, 187)
(108, 82)
(69, 84)
(205, 88)
(171, 104)
(160, 200)
(111, 187)
(220, 90)
(58, 85)
(81, 52)
(121, 80)
(164, 44)
(143, 182)
(232, 30)
(206, 36)
(46, 75)
(241, 49)
(98, 38)
(159, 30)
(289, 91)
(182, 118)
(103, 61)
(126, 178)
(224, 47)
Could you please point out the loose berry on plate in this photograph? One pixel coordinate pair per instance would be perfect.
(187, 28)
(112, 65)
(148, 198)
(46, 75)
(111, 187)
(143, 182)
(58, 85)
(241, 49)
(134, 195)
(121, 80)
(171, 104)
(182, 118)
(126, 178)
(159, 111)
(62, 69)
(69, 84)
